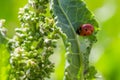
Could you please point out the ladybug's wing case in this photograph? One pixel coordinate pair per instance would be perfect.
(85, 30)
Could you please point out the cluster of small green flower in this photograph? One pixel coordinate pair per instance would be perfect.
(33, 43)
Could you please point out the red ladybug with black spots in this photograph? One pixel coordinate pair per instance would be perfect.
(85, 30)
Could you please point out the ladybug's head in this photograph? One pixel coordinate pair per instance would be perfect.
(85, 30)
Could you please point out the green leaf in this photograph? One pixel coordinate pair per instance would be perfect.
(69, 15)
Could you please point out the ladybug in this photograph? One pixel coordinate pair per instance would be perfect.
(85, 30)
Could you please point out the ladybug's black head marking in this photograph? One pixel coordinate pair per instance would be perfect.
(84, 34)
(78, 30)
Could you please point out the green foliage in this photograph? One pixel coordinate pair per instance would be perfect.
(69, 15)
(34, 42)
(105, 53)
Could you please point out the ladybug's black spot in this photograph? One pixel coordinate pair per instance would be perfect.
(86, 29)
(84, 34)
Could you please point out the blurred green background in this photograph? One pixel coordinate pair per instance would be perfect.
(105, 54)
